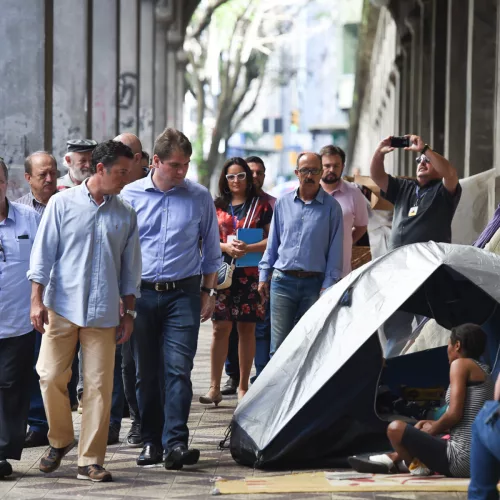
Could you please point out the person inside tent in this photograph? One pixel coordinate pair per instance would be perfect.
(470, 387)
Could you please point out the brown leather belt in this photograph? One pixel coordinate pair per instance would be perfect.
(302, 274)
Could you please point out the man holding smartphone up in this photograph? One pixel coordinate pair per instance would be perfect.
(423, 211)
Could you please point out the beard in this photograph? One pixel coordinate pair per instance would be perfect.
(330, 179)
(78, 175)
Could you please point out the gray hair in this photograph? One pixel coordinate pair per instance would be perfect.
(28, 163)
(5, 169)
(64, 162)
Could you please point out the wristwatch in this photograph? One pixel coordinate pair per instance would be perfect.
(131, 313)
(426, 147)
(211, 291)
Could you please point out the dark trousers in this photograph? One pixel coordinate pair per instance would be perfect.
(166, 332)
(129, 381)
(37, 419)
(118, 396)
(262, 347)
(16, 365)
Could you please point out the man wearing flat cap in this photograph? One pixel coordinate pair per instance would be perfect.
(78, 159)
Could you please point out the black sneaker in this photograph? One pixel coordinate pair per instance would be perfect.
(5, 469)
(230, 387)
(52, 460)
(35, 438)
(134, 437)
(113, 434)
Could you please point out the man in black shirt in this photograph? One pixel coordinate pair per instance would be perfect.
(423, 209)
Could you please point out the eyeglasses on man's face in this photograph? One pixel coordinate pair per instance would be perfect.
(422, 159)
(312, 171)
(240, 176)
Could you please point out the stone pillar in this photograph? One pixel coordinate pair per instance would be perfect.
(171, 104)
(180, 87)
(71, 75)
(424, 128)
(404, 63)
(438, 74)
(105, 46)
(414, 24)
(481, 73)
(146, 74)
(22, 99)
(128, 80)
(163, 18)
(456, 85)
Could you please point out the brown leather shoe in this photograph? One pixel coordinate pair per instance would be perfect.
(52, 460)
(94, 473)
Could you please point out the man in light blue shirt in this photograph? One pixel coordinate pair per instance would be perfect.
(86, 257)
(18, 226)
(173, 215)
(305, 248)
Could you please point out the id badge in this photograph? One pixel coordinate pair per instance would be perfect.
(231, 238)
(413, 211)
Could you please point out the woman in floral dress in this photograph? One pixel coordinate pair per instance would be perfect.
(237, 202)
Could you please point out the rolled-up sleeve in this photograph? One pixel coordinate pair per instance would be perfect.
(131, 268)
(335, 259)
(211, 256)
(44, 251)
(273, 242)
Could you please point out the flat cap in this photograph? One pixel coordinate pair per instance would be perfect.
(81, 145)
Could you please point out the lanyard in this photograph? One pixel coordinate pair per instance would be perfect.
(232, 216)
(419, 196)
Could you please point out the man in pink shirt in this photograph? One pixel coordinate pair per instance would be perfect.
(352, 201)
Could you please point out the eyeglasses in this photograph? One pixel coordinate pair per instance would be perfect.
(312, 171)
(232, 177)
(2, 251)
(422, 159)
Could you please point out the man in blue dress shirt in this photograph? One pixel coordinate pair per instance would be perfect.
(86, 257)
(305, 248)
(173, 215)
(18, 226)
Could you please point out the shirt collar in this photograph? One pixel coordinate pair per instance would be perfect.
(149, 185)
(320, 196)
(34, 200)
(107, 197)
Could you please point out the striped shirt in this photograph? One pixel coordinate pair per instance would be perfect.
(29, 200)
(461, 435)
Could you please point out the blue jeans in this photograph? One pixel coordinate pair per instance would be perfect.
(129, 379)
(291, 297)
(485, 453)
(262, 347)
(166, 332)
(118, 395)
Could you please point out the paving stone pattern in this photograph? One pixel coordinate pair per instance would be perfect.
(207, 426)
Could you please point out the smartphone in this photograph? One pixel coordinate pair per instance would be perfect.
(400, 142)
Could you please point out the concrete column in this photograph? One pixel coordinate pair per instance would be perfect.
(414, 24)
(22, 99)
(424, 128)
(405, 125)
(481, 73)
(438, 74)
(180, 87)
(456, 85)
(71, 75)
(146, 74)
(105, 61)
(128, 80)
(171, 104)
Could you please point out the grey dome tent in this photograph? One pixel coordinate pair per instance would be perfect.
(314, 403)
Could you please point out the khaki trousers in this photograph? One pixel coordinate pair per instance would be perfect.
(54, 367)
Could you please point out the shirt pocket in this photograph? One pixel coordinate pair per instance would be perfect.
(24, 248)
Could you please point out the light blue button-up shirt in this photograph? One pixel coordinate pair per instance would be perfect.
(17, 233)
(305, 236)
(87, 256)
(170, 226)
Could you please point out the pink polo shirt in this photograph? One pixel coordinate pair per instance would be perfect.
(355, 211)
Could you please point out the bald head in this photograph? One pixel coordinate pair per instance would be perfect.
(130, 140)
(133, 142)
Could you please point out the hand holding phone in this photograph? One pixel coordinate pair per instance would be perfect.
(400, 142)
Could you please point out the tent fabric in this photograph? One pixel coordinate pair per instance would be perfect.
(318, 390)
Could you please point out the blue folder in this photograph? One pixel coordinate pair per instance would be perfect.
(250, 236)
